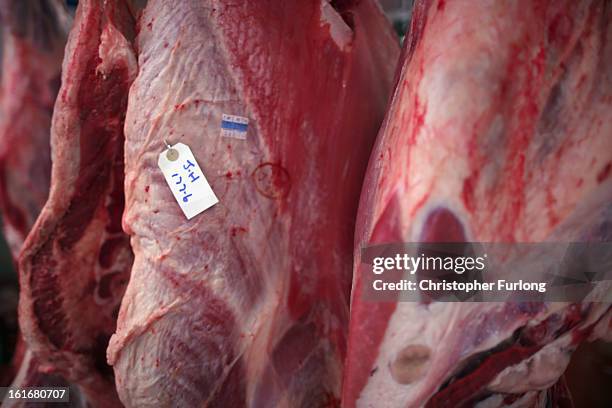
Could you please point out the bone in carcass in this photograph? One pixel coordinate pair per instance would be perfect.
(247, 303)
(500, 131)
(32, 44)
(75, 262)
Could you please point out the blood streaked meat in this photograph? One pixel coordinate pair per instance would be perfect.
(247, 303)
(33, 44)
(75, 262)
(502, 122)
(32, 40)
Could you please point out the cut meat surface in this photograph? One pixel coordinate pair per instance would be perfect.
(75, 262)
(505, 136)
(32, 44)
(247, 303)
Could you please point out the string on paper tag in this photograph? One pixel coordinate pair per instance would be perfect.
(186, 180)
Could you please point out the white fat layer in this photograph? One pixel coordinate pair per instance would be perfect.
(114, 47)
(340, 32)
(538, 372)
(412, 324)
(603, 329)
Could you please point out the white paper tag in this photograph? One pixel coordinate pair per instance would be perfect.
(234, 126)
(186, 180)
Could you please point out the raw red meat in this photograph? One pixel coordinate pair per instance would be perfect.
(500, 130)
(32, 44)
(247, 303)
(75, 262)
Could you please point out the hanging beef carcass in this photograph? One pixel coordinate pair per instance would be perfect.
(246, 304)
(32, 45)
(75, 262)
(500, 131)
